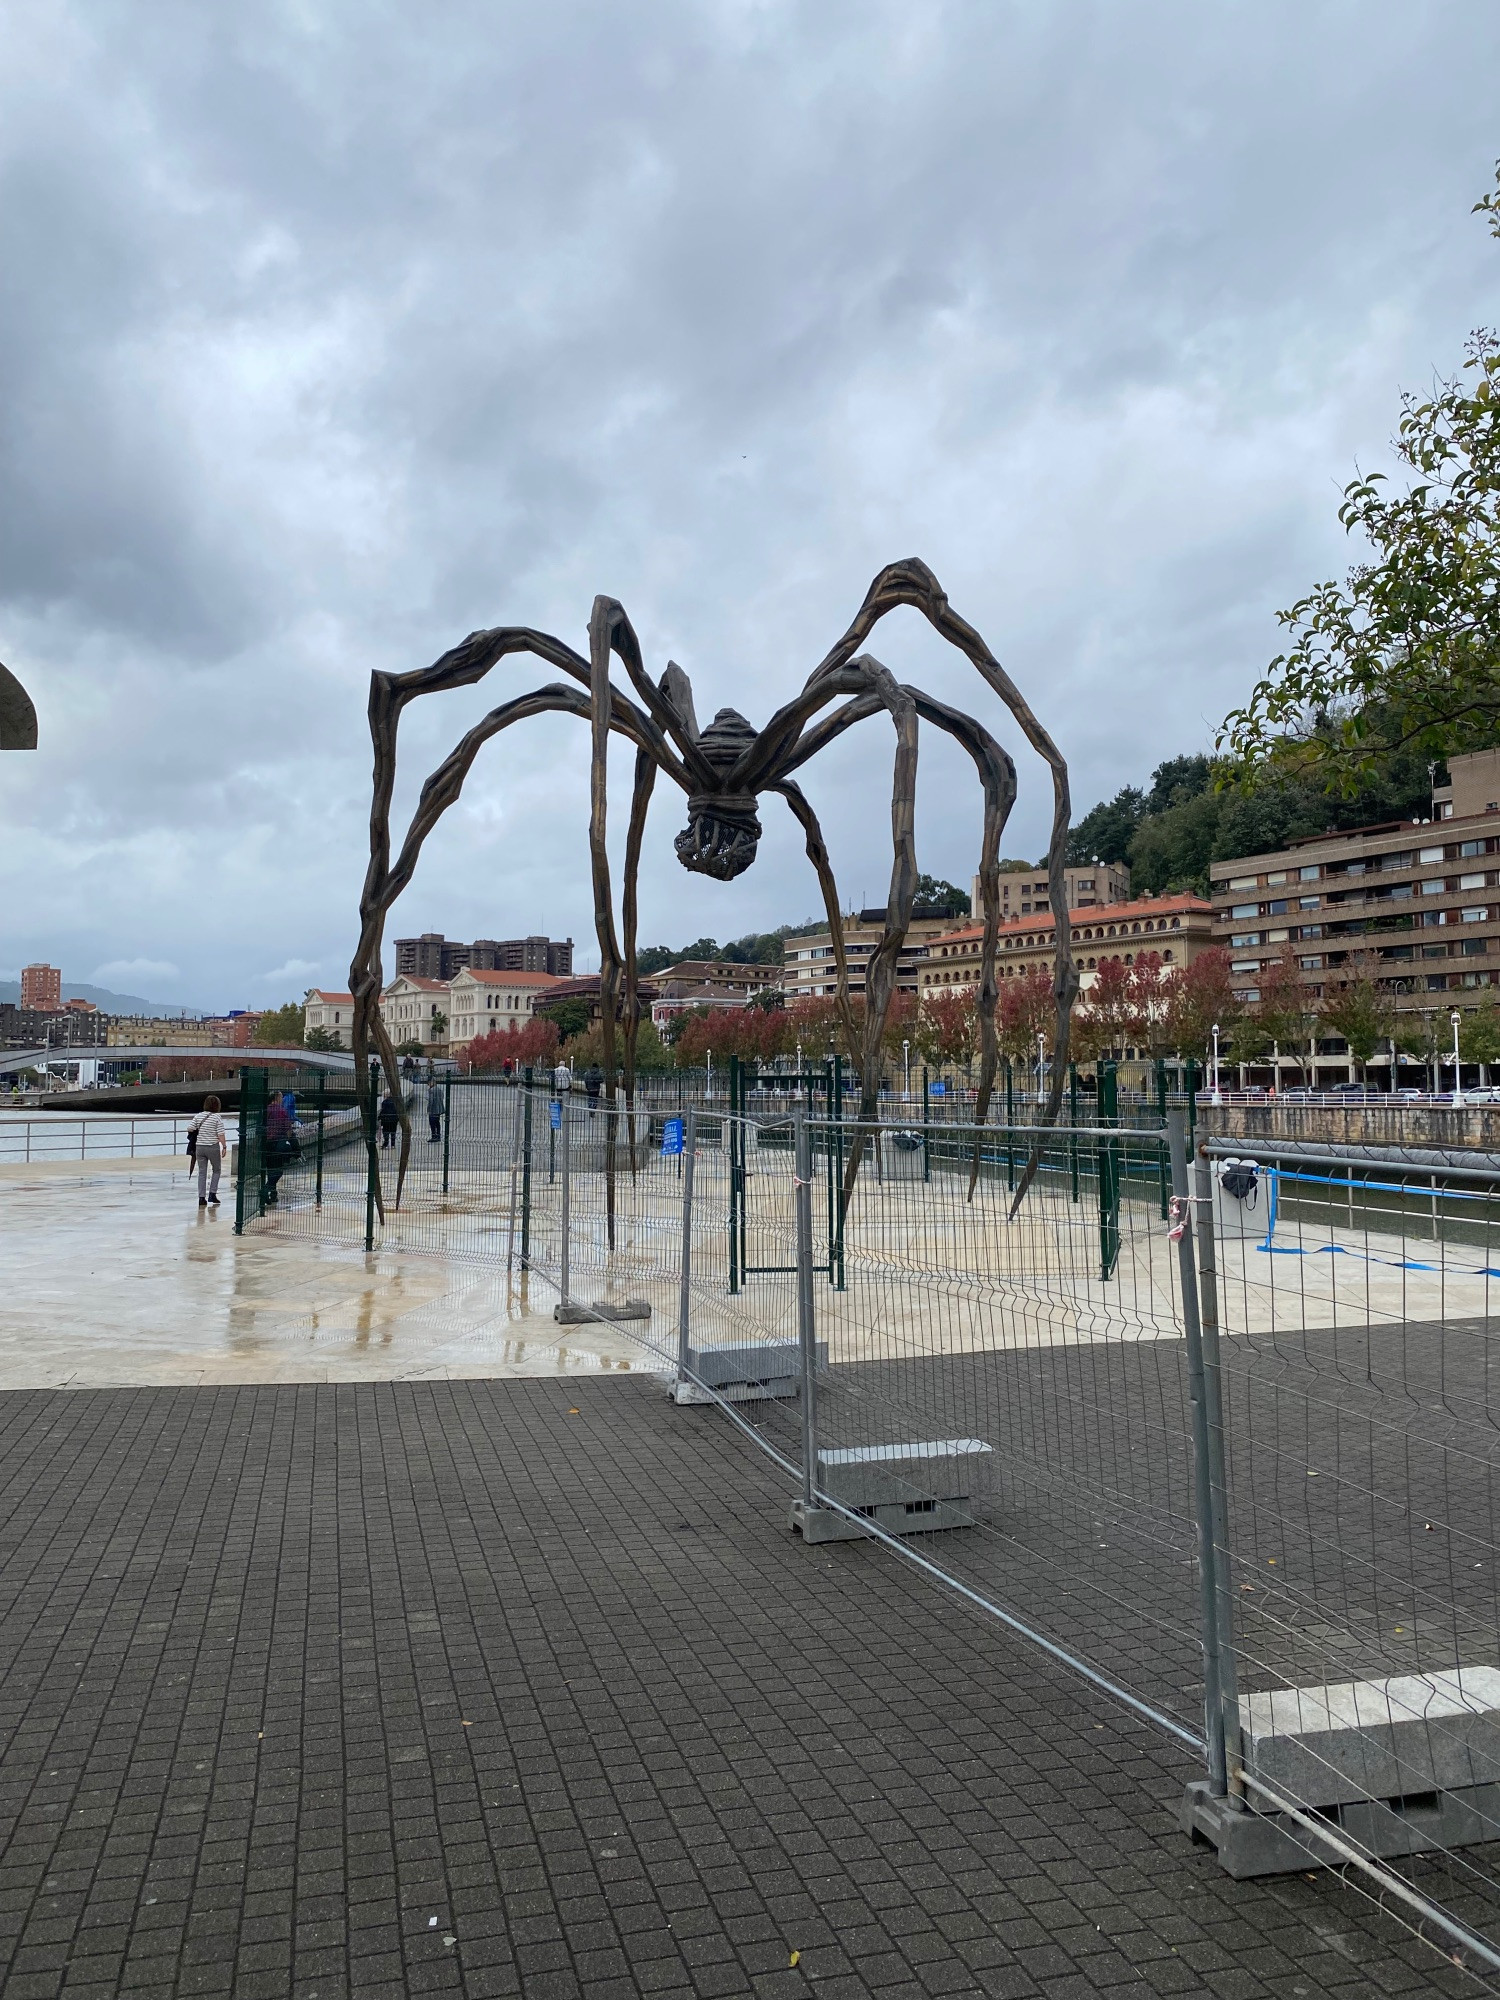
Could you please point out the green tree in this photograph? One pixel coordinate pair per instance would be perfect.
(281, 1028)
(1105, 833)
(1479, 1035)
(935, 898)
(571, 1015)
(322, 1039)
(1405, 652)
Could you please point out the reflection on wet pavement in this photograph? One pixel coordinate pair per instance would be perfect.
(114, 1281)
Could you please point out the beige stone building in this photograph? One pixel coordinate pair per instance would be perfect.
(333, 1012)
(416, 1010)
(1025, 895)
(809, 970)
(481, 1001)
(1176, 928)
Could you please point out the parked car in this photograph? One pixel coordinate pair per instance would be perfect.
(1355, 1091)
(1298, 1094)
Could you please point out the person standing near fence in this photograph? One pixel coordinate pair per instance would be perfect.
(593, 1083)
(207, 1139)
(562, 1078)
(390, 1118)
(434, 1112)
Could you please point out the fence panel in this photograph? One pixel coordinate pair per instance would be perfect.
(1361, 1398)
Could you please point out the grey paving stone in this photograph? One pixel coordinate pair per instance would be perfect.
(242, 1632)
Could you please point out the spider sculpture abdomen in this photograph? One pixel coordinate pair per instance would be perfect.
(723, 829)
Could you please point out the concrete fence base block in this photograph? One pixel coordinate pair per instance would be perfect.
(602, 1309)
(742, 1374)
(1402, 1765)
(896, 1517)
(1250, 1843)
(907, 1489)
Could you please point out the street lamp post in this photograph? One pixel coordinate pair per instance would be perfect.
(906, 1053)
(1458, 1020)
(1214, 1097)
(1041, 1066)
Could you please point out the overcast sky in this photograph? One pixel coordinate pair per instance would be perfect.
(332, 332)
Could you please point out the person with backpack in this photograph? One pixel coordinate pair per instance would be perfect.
(435, 1108)
(206, 1140)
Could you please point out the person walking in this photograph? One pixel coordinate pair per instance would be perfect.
(435, 1108)
(282, 1145)
(208, 1139)
(593, 1083)
(390, 1118)
(562, 1078)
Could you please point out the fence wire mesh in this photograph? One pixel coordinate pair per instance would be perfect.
(1022, 1402)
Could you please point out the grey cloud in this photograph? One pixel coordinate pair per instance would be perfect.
(342, 330)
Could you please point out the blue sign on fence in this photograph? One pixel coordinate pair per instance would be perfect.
(671, 1135)
(556, 1113)
(939, 1089)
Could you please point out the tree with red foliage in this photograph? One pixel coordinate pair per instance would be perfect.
(947, 1028)
(1027, 1008)
(1199, 995)
(536, 1042)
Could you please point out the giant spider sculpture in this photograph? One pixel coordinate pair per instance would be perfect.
(725, 769)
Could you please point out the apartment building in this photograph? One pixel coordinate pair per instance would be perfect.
(433, 956)
(484, 1000)
(1415, 903)
(1025, 895)
(332, 1012)
(41, 989)
(809, 970)
(1176, 928)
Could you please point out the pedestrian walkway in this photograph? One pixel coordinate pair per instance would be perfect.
(116, 1279)
(522, 1688)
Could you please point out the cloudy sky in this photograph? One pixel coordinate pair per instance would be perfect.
(330, 332)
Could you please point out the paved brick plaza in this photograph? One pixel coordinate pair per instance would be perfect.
(521, 1688)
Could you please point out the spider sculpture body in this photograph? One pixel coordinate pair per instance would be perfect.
(725, 770)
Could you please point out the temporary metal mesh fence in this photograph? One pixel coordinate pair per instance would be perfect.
(1221, 1437)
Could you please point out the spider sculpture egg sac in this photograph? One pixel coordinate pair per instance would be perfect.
(723, 829)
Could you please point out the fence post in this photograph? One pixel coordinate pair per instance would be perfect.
(1073, 1121)
(241, 1177)
(684, 1292)
(1010, 1119)
(372, 1160)
(322, 1099)
(836, 1148)
(447, 1125)
(1210, 1609)
(1192, 1097)
(807, 1326)
(729, 1141)
(926, 1126)
(526, 1083)
(1109, 1171)
(1213, 1403)
(567, 1148)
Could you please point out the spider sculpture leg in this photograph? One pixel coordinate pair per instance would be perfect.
(389, 694)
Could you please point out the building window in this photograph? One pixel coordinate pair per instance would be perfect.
(1476, 947)
(1475, 915)
(1431, 854)
(1437, 982)
(1307, 874)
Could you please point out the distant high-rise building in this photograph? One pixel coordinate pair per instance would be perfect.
(41, 988)
(433, 956)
